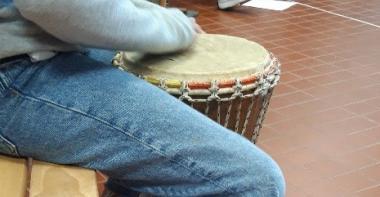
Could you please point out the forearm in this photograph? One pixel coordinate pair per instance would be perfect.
(134, 25)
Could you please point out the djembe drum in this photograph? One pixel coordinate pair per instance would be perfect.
(228, 79)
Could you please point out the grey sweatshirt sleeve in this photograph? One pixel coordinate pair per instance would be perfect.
(132, 25)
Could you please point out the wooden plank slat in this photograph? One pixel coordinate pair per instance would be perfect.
(49, 180)
(13, 177)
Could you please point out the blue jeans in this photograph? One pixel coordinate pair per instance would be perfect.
(77, 109)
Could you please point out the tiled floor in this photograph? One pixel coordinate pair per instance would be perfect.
(363, 10)
(323, 125)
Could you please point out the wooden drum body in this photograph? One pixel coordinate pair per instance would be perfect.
(229, 79)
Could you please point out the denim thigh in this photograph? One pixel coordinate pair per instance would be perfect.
(75, 110)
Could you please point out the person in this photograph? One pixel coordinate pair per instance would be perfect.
(227, 4)
(61, 101)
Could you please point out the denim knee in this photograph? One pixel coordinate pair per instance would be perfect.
(249, 171)
(265, 177)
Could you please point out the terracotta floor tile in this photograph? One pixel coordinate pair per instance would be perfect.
(353, 182)
(330, 58)
(325, 68)
(327, 168)
(295, 56)
(327, 116)
(308, 136)
(367, 12)
(360, 108)
(360, 139)
(313, 52)
(307, 109)
(273, 117)
(310, 62)
(323, 122)
(324, 188)
(289, 77)
(280, 145)
(350, 85)
(305, 155)
(355, 160)
(374, 116)
(324, 79)
(354, 124)
(297, 97)
(372, 151)
(302, 84)
(332, 149)
(320, 91)
(373, 133)
(372, 172)
(281, 50)
(267, 133)
(301, 177)
(294, 191)
(365, 71)
(342, 99)
(278, 102)
(286, 126)
(306, 73)
(371, 192)
(288, 164)
(288, 67)
(282, 89)
(369, 92)
(283, 41)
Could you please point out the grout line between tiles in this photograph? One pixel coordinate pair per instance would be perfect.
(355, 170)
(340, 15)
(368, 146)
(367, 188)
(353, 115)
(363, 131)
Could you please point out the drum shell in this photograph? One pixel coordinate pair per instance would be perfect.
(243, 115)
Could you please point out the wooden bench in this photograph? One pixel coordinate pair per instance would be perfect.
(30, 178)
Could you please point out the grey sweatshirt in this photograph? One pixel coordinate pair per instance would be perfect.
(42, 27)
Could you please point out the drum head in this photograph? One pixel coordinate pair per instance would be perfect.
(212, 57)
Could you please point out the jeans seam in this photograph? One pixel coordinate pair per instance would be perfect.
(2, 87)
(12, 147)
(3, 82)
(121, 130)
(6, 80)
